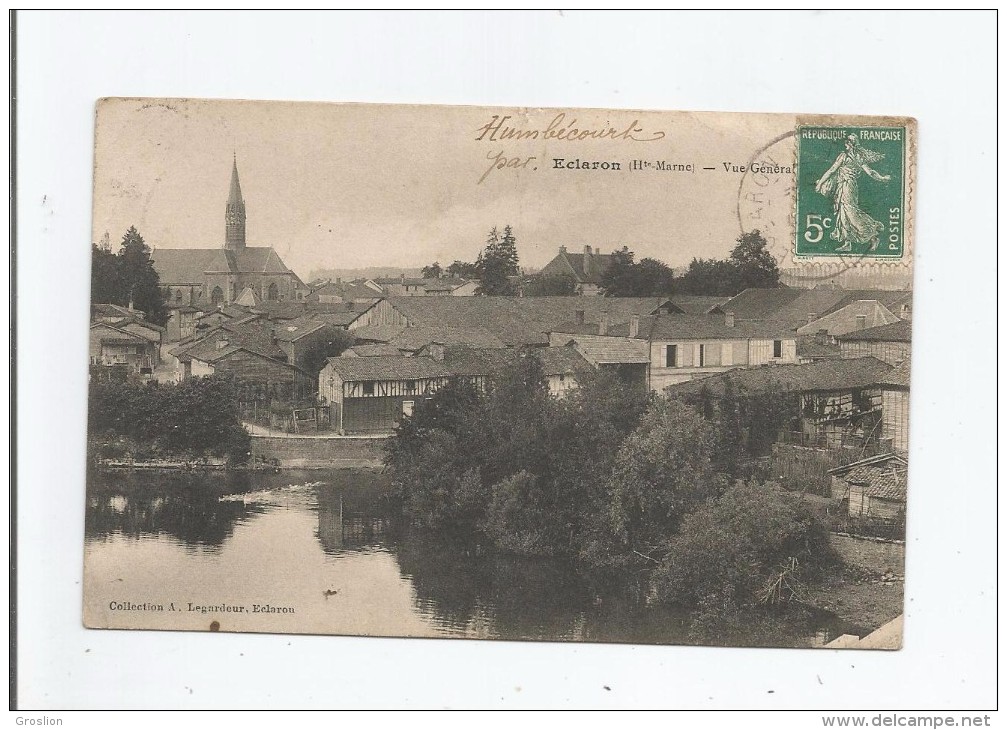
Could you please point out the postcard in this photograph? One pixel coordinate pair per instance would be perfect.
(586, 375)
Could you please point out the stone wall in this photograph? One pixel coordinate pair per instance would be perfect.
(871, 553)
(306, 452)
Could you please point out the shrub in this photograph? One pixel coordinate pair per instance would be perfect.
(755, 544)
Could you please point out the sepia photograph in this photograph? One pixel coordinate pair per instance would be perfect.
(568, 375)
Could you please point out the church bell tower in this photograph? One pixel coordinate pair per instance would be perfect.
(234, 214)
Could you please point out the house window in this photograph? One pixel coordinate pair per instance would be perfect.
(407, 407)
(777, 348)
(671, 356)
(368, 387)
(702, 355)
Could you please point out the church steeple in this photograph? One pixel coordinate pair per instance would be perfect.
(234, 214)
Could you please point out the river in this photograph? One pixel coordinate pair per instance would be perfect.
(320, 552)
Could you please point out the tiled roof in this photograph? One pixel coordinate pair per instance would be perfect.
(694, 304)
(461, 361)
(601, 350)
(811, 346)
(378, 332)
(414, 338)
(115, 334)
(254, 336)
(760, 303)
(793, 306)
(187, 265)
(518, 320)
(337, 313)
(824, 375)
(294, 329)
(845, 319)
(374, 350)
(688, 327)
(881, 476)
(900, 331)
(881, 483)
(347, 290)
(815, 302)
(897, 376)
(259, 260)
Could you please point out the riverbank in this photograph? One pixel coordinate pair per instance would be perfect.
(860, 598)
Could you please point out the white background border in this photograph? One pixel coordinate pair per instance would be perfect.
(939, 68)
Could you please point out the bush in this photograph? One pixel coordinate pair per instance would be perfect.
(756, 544)
(193, 418)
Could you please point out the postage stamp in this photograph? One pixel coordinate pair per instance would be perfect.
(851, 191)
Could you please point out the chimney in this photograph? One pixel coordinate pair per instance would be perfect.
(812, 316)
(729, 319)
(402, 278)
(603, 324)
(861, 321)
(562, 249)
(437, 351)
(339, 280)
(634, 325)
(578, 316)
(587, 261)
(597, 251)
(221, 343)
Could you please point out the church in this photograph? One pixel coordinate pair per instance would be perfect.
(232, 273)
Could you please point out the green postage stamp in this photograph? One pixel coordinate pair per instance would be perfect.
(851, 191)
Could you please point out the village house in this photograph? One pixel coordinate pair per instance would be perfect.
(338, 291)
(404, 286)
(834, 402)
(586, 269)
(889, 342)
(680, 347)
(372, 394)
(858, 315)
(191, 276)
(516, 321)
(408, 341)
(894, 387)
(873, 488)
(302, 338)
(249, 351)
(112, 345)
(802, 308)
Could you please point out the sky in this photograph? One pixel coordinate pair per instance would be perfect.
(350, 186)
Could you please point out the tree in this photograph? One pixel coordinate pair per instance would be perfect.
(128, 278)
(106, 283)
(755, 266)
(319, 353)
(497, 262)
(433, 271)
(626, 278)
(710, 277)
(755, 544)
(662, 472)
(551, 285)
(462, 270)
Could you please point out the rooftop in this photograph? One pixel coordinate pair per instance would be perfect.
(824, 375)
(900, 331)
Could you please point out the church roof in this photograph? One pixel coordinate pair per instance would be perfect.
(187, 265)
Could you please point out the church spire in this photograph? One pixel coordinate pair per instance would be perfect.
(234, 213)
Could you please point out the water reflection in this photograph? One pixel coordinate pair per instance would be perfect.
(327, 542)
(139, 505)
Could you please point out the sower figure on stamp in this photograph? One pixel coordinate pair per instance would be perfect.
(853, 224)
